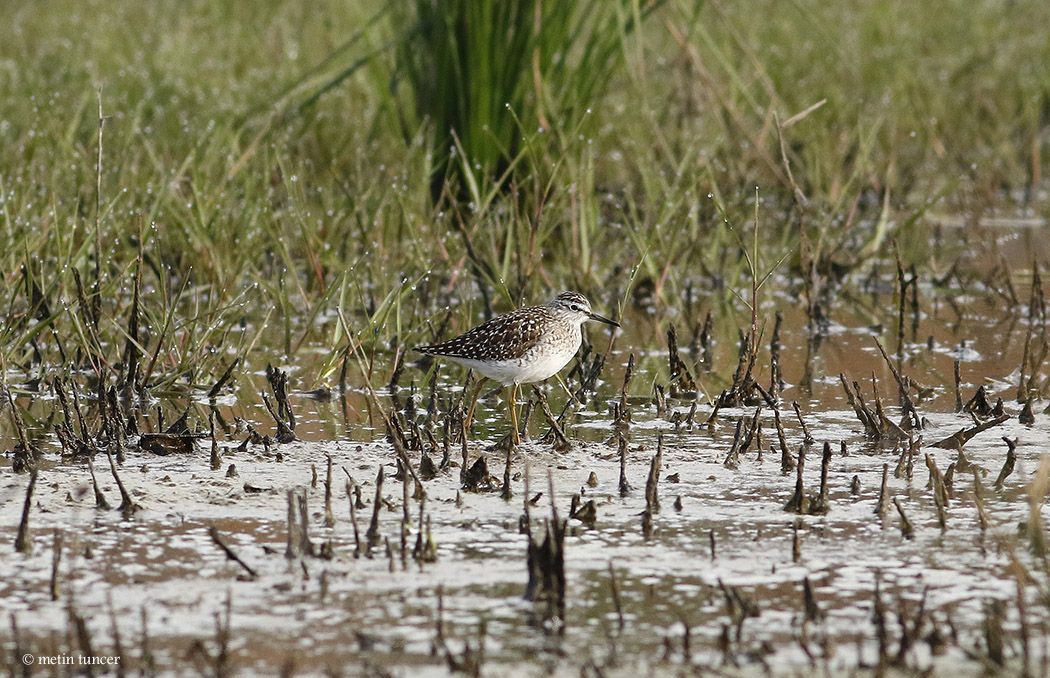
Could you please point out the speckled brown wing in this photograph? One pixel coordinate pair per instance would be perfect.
(505, 337)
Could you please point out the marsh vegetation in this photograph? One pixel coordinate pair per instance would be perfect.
(818, 441)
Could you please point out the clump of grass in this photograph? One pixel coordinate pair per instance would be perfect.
(493, 78)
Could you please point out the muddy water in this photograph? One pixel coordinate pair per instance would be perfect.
(729, 536)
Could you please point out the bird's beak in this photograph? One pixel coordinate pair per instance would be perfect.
(601, 319)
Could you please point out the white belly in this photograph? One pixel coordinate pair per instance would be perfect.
(534, 366)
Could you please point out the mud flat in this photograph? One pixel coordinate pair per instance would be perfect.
(717, 574)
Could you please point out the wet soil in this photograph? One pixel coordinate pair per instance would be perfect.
(716, 579)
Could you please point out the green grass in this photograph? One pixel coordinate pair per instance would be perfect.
(506, 84)
(276, 164)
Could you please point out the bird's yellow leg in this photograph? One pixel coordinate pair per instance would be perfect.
(474, 401)
(514, 414)
(567, 391)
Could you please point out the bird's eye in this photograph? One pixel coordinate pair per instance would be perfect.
(574, 307)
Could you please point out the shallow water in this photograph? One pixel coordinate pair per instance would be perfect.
(381, 610)
(358, 614)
